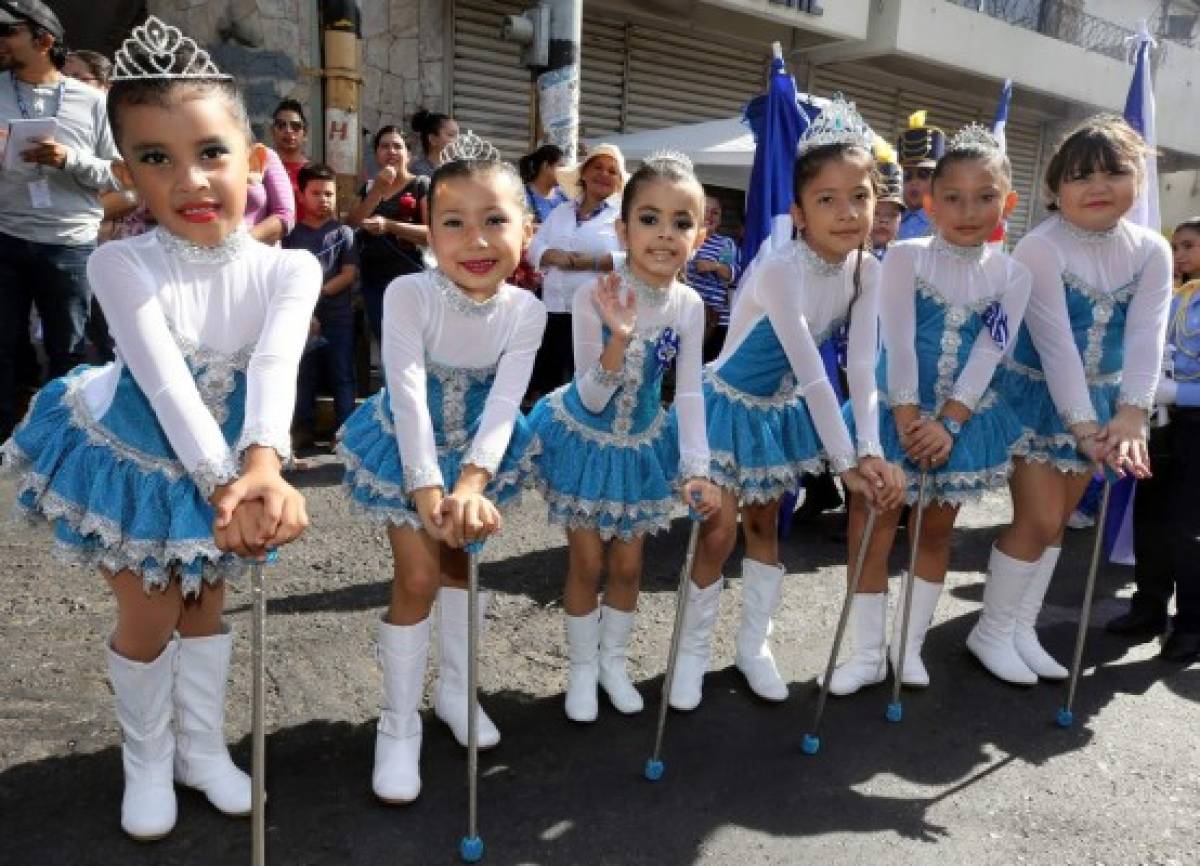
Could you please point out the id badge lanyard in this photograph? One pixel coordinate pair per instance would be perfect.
(39, 190)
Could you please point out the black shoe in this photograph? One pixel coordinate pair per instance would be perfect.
(1138, 623)
(1181, 646)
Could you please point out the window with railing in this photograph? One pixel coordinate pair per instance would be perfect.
(1066, 20)
(812, 7)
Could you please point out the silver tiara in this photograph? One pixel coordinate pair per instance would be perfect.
(667, 154)
(838, 123)
(469, 147)
(973, 136)
(158, 50)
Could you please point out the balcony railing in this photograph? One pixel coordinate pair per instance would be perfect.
(1060, 19)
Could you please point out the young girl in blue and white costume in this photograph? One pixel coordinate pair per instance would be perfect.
(611, 461)
(949, 305)
(132, 461)
(1081, 376)
(436, 451)
(771, 411)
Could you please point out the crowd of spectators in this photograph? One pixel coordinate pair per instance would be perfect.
(65, 201)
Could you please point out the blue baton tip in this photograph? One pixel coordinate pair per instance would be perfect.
(654, 770)
(470, 849)
(1065, 718)
(895, 712)
(811, 744)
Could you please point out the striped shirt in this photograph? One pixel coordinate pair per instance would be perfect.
(712, 289)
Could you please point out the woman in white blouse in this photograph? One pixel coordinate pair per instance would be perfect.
(577, 240)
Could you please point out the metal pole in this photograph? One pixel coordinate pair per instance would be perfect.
(895, 710)
(258, 827)
(654, 765)
(558, 86)
(470, 847)
(812, 741)
(1066, 716)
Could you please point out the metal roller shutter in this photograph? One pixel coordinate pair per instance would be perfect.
(886, 105)
(491, 92)
(677, 78)
(602, 79)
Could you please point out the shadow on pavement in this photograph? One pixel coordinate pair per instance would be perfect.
(556, 793)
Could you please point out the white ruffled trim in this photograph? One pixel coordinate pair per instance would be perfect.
(280, 443)
(610, 439)
(644, 516)
(770, 482)
(118, 552)
(785, 395)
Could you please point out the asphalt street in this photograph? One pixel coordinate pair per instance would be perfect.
(976, 773)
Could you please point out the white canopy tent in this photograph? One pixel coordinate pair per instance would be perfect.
(721, 150)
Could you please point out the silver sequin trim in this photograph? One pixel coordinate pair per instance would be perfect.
(808, 257)
(229, 249)
(215, 381)
(1138, 401)
(785, 395)
(904, 398)
(458, 300)
(955, 318)
(613, 439)
(1103, 306)
(211, 474)
(647, 295)
(1089, 237)
(954, 251)
(869, 448)
(262, 436)
(839, 463)
(1077, 415)
(694, 467)
(605, 378)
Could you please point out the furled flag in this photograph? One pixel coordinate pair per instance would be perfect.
(998, 125)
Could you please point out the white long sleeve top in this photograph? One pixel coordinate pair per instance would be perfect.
(676, 306)
(426, 317)
(1105, 262)
(967, 278)
(560, 231)
(168, 301)
(803, 296)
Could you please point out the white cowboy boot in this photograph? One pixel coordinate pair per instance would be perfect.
(450, 695)
(615, 629)
(583, 647)
(143, 693)
(762, 587)
(695, 644)
(1028, 646)
(992, 638)
(924, 603)
(403, 653)
(867, 664)
(201, 756)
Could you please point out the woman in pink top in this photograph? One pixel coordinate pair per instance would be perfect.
(270, 202)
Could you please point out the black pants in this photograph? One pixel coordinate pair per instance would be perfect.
(1166, 522)
(714, 339)
(555, 362)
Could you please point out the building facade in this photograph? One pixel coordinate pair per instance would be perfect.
(658, 63)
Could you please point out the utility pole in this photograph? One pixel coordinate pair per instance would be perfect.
(342, 78)
(550, 33)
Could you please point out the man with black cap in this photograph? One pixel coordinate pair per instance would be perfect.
(920, 147)
(51, 213)
(889, 203)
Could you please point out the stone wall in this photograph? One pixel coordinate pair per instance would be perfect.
(268, 45)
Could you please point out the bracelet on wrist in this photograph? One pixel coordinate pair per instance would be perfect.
(954, 428)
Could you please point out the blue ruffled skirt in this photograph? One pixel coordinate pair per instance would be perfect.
(374, 479)
(1048, 439)
(760, 446)
(980, 460)
(112, 505)
(620, 487)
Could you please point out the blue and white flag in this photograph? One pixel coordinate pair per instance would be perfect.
(1001, 119)
(1139, 113)
(777, 123)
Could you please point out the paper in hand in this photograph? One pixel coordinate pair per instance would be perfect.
(26, 135)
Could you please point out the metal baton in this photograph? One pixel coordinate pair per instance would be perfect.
(811, 744)
(654, 766)
(470, 847)
(895, 710)
(258, 761)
